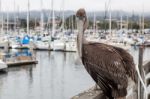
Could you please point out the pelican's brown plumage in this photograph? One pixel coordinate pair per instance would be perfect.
(109, 66)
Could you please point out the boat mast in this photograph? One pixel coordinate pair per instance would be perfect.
(17, 19)
(42, 17)
(48, 21)
(28, 31)
(35, 23)
(1, 17)
(53, 18)
(72, 23)
(127, 22)
(140, 23)
(2, 30)
(94, 23)
(110, 19)
(143, 19)
(132, 20)
(121, 21)
(14, 17)
(63, 16)
(7, 21)
(105, 15)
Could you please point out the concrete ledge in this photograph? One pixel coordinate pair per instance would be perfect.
(90, 94)
(97, 94)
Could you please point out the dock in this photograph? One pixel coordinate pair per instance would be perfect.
(11, 64)
(11, 60)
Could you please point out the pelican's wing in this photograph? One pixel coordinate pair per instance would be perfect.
(128, 63)
(103, 59)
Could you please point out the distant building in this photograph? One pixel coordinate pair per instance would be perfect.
(124, 24)
(57, 21)
(49, 23)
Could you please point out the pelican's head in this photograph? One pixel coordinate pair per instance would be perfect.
(81, 15)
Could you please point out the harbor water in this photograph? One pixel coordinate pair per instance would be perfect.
(57, 75)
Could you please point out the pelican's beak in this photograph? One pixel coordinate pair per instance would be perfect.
(81, 16)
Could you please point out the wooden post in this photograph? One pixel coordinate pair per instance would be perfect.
(140, 62)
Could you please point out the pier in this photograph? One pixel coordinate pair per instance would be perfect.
(11, 64)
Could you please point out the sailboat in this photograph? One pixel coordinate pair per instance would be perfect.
(21, 41)
(44, 42)
(4, 42)
(71, 45)
(58, 43)
(14, 43)
(3, 65)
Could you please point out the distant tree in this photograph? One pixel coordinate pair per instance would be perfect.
(114, 24)
(32, 24)
(133, 25)
(70, 22)
(103, 25)
(147, 23)
(23, 23)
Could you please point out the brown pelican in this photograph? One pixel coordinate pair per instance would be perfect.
(109, 66)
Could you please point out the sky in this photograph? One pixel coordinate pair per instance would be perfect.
(89, 5)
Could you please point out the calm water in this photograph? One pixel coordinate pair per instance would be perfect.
(56, 76)
(135, 53)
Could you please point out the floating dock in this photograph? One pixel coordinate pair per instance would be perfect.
(11, 64)
(42, 49)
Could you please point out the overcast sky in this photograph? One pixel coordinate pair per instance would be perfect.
(90, 5)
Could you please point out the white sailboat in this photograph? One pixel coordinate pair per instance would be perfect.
(3, 65)
(59, 43)
(14, 44)
(71, 45)
(44, 43)
(26, 45)
(17, 45)
(3, 37)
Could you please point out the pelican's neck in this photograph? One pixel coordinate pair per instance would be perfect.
(80, 44)
(80, 37)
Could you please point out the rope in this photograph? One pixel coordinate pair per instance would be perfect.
(141, 80)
